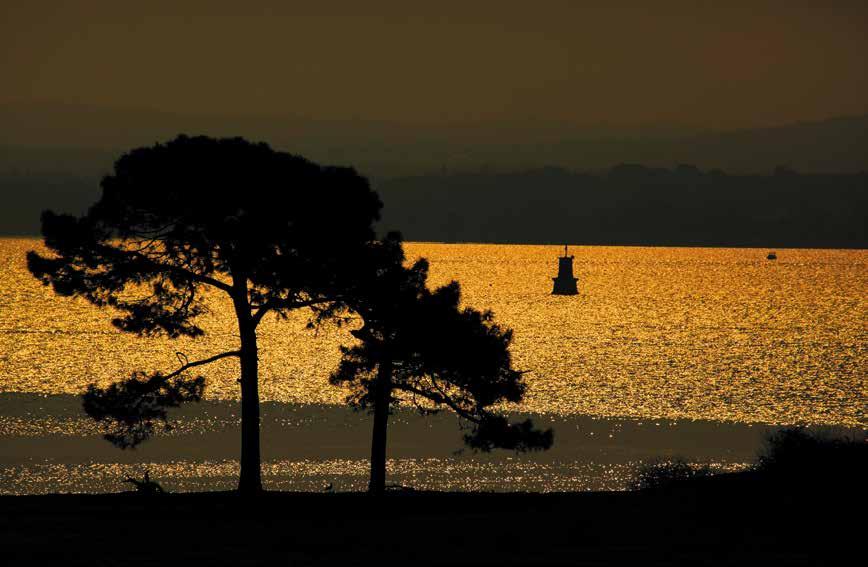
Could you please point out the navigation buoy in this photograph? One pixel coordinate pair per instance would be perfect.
(565, 283)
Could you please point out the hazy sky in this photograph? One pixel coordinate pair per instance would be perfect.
(694, 63)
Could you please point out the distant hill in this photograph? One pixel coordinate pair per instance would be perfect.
(633, 204)
(835, 145)
(495, 183)
(383, 150)
(628, 204)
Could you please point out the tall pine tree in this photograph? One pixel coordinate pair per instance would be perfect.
(266, 228)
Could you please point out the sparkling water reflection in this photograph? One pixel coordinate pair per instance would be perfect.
(341, 474)
(720, 336)
(686, 333)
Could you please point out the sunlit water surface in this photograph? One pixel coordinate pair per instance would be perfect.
(681, 334)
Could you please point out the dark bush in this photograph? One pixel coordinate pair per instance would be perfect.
(797, 455)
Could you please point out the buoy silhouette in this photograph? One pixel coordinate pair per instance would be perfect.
(565, 282)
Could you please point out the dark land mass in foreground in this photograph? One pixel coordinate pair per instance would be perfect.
(733, 519)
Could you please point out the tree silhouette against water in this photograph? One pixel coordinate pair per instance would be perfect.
(419, 347)
(266, 228)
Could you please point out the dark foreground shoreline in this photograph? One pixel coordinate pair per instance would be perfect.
(732, 519)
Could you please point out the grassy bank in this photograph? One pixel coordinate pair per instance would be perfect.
(725, 520)
(802, 504)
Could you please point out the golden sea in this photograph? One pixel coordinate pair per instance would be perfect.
(696, 333)
(656, 335)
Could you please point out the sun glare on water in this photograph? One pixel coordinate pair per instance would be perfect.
(678, 333)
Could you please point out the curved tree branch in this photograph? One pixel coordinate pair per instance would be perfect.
(439, 398)
(130, 408)
(202, 362)
(157, 266)
(277, 303)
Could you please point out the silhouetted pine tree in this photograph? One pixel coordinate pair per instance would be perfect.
(266, 228)
(420, 347)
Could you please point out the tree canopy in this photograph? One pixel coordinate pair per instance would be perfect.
(267, 228)
(420, 347)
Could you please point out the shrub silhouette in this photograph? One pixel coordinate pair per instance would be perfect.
(145, 486)
(792, 459)
(796, 455)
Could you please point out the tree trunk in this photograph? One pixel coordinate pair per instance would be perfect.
(382, 396)
(250, 481)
